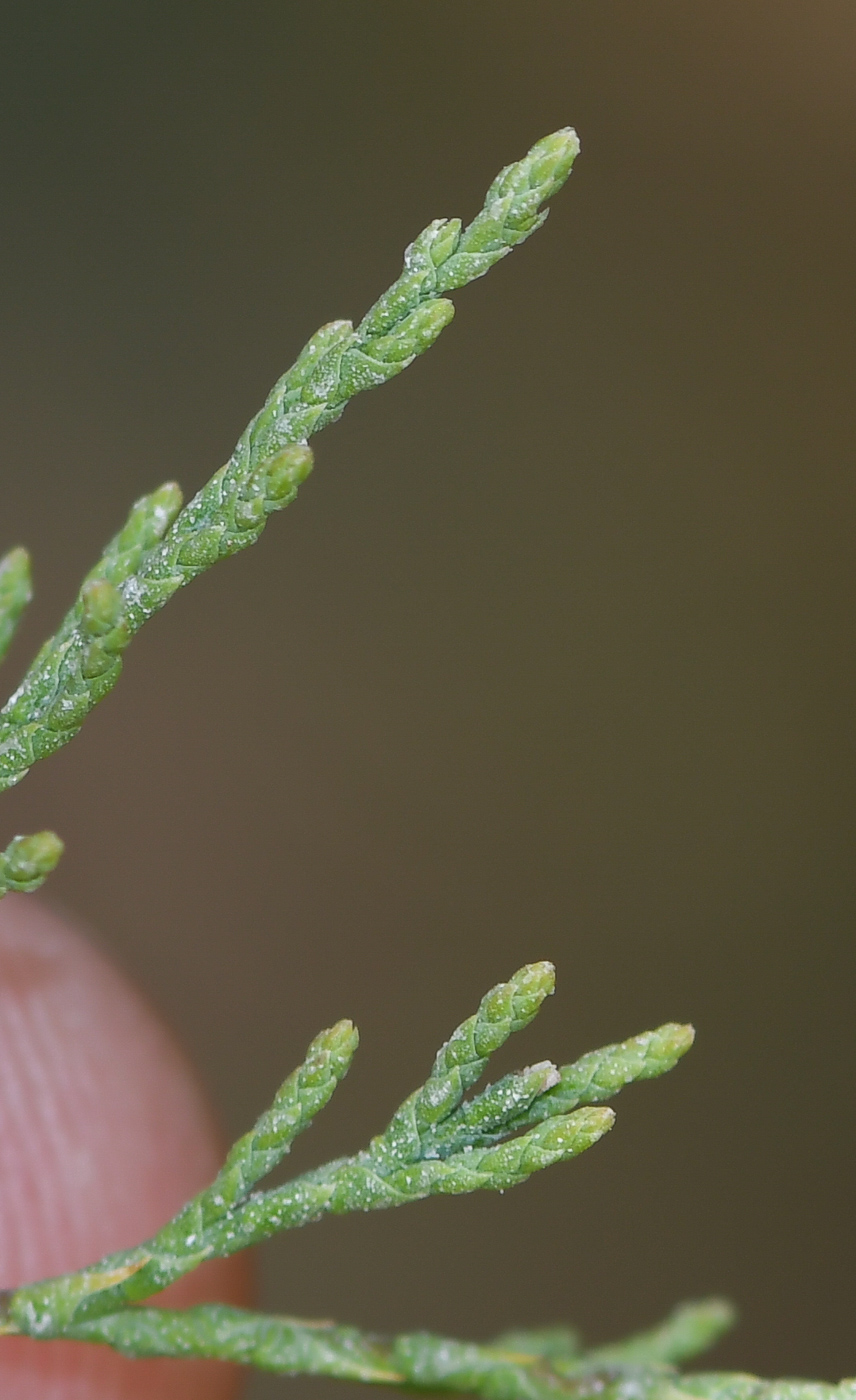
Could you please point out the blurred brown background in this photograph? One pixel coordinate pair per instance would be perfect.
(552, 658)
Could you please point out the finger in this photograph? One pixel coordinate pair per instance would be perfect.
(104, 1134)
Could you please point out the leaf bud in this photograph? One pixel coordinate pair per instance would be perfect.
(28, 860)
(286, 471)
(102, 606)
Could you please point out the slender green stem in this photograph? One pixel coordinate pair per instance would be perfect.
(288, 1346)
(400, 1166)
(499, 1370)
(281, 1344)
(164, 546)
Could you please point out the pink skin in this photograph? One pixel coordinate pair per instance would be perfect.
(104, 1133)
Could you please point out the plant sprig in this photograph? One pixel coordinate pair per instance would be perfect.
(434, 1143)
(515, 1366)
(165, 545)
(401, 1165)
(545, 1365)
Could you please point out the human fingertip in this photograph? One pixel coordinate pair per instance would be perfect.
(104, 1134)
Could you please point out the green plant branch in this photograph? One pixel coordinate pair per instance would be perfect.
(280, 1344)
(401, 1165)
(421, 1360)
(515, 1366)
(164, 546)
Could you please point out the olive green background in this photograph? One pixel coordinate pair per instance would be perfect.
(552, 658)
